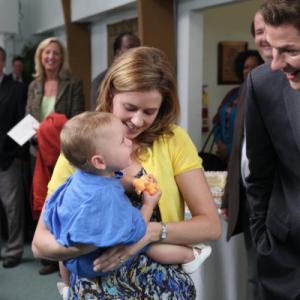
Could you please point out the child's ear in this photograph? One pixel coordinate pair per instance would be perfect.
(98, 162)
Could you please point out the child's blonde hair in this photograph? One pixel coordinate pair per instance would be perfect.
(79, 135)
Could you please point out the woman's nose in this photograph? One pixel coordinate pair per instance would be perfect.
(137, 119)
(278, 61)
(52, 54)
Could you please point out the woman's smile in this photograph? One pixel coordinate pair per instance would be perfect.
(137, 110)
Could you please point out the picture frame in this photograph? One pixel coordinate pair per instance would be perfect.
(227, 53)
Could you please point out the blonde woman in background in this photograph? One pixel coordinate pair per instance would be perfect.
(54, 90)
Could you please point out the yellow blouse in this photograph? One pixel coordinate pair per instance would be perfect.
(169, 156)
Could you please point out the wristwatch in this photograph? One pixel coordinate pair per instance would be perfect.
(163, 232)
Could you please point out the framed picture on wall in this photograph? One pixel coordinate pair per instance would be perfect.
(227, 53)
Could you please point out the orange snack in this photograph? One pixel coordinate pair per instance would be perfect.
(145, 183)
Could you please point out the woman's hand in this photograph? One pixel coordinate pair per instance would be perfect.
(114, 257)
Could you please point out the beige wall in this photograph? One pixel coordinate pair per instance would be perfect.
(224, 23)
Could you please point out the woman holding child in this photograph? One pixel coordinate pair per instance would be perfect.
(140, 90)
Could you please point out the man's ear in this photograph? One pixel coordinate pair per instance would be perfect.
(98, 162)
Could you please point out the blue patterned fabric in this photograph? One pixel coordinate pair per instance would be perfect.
(225, 117)
(143, 279)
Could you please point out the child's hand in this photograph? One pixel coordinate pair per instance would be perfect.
(151, 192)
(145, 183)
(151, 200)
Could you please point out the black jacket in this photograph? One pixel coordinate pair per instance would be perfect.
(273, 186)
(12, 110)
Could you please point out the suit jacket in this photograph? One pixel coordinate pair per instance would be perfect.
(234, 194)
(273, 186)
(25, 79)
(12, 109)
(69, 100)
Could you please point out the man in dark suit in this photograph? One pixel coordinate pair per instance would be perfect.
(123, 42)
(273, 150)
(17, 69)
(234, 206)
(17, 73)
(12, 108)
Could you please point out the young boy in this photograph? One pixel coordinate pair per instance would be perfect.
(92, 208)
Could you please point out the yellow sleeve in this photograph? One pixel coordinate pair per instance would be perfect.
(183, 152)
(61, 172)
(168, 157)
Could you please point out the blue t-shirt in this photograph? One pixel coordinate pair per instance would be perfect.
(94, 210)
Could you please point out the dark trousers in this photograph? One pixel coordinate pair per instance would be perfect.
(12, 200)
(252, 284)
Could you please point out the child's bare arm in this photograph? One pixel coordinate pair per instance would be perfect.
(147, 185)
(149, 203)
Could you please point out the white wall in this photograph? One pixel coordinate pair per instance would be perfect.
(82, 9)
(44, 15)
(9, 27)
(9, 16)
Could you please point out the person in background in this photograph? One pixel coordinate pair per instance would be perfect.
(272, 147)
(259, 34)
(223, 121)
(234, 205)
(123, 42)
(12, 103)
(17, 65)
(54, 90)
(17, 69)
(139, 88)
(18, 74)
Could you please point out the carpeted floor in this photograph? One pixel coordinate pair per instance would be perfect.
(24, 283)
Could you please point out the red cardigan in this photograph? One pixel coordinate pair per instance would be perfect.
(48, 136)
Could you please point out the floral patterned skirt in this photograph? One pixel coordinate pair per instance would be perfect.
(143, 279)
